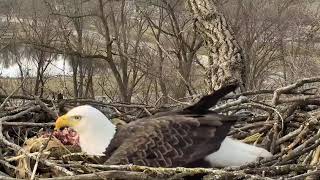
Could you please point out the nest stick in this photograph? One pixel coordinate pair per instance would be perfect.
(44, 161)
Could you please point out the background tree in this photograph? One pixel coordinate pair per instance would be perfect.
(149, 51)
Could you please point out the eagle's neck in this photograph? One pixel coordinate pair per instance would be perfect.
(96, 137)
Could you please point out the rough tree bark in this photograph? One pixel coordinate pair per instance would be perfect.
(227, 59)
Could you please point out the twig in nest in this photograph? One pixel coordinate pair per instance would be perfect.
(298, 138)
(179, 102)
(44, 161)
(315, 158)
(276, 170)
(43, 147)
(309, 144)
(143, 172)
(45, 108)
(307, 159)
(27, 124)
(116, 110)
(16, 158)
(276, 132)
(14, 110)
(102, 104)
(7, 164)
(289, 136)
(302, 176)
(298, 99)
(262, 92)
(231, 104)
(20, 114)
(256, 163)
(263, 106)
(113, 174)
(279, 91)
(8, 178)
(148, 112)
(267, 108)
(252, 126)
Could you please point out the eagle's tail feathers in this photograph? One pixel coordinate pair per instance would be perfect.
(236, 153)
(210, 100)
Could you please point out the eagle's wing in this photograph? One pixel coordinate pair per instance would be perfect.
(169, 141)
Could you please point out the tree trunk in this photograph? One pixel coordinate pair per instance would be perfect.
(89, 90)
(40, 65)
(222, 46)
(81, 78)
(74, 64)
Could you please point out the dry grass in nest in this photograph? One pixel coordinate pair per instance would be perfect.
(54, 149)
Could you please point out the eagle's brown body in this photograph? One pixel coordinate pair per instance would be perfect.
(172, 139)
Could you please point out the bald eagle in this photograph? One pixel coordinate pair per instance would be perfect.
(170, 139)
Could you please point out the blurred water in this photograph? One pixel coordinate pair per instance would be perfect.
(58, 67)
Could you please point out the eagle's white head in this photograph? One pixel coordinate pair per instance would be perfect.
(94, 128)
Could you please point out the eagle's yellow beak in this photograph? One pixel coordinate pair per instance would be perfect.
(64, 121)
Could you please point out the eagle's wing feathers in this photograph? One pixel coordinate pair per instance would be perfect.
(168, 141)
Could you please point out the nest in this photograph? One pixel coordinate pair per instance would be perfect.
(284, 121)
(53, 149)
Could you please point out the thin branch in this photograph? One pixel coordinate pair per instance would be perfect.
(18, 148)
(28, 124)
(279, 91)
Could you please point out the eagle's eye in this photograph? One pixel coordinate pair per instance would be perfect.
(77, 118)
